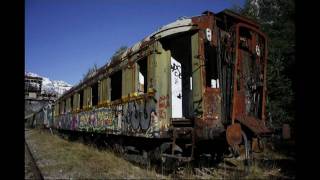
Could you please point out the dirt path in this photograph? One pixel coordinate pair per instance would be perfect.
(31, 170)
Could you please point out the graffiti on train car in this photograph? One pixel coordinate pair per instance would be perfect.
(83, 120)
(163, 105)
(75, 122)
(102, 117)
(134, 117)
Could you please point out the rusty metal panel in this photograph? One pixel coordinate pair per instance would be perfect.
(212, 107)
(245, 110)
(233, 134)
(256, 125)
(210, 125)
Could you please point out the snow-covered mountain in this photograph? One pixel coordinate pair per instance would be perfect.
(51, 86)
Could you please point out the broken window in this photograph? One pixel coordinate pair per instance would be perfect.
(211, 67)
(94, 94)
(81, 98)
(143, 72)
(116, 85)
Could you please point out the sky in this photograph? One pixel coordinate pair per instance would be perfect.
(64, 38)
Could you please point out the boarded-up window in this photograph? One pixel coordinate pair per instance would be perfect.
(75, 104)
(68, 105)
(103, 94)
(87, 101)
(128, 77)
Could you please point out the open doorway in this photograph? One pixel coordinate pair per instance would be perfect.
(181, 74)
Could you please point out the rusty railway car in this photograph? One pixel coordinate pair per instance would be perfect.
(190, 83)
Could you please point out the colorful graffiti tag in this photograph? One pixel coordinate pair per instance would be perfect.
(108, 118)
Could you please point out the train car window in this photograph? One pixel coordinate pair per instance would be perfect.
(211, 66)
(143, 75)
(116, 85)
(95, 94)
(81, 98)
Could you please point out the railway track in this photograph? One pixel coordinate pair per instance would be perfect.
(32, 171)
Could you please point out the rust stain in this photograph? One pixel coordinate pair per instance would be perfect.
(164, 102)
(212, 103)
(256, 125)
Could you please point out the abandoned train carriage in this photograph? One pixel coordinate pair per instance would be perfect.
(197, 78)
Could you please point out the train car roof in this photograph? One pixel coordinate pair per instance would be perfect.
(235, 18)
(183, 24)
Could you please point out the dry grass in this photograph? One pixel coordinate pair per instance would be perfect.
(61, 159)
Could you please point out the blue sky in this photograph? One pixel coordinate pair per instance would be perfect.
(63, 38)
